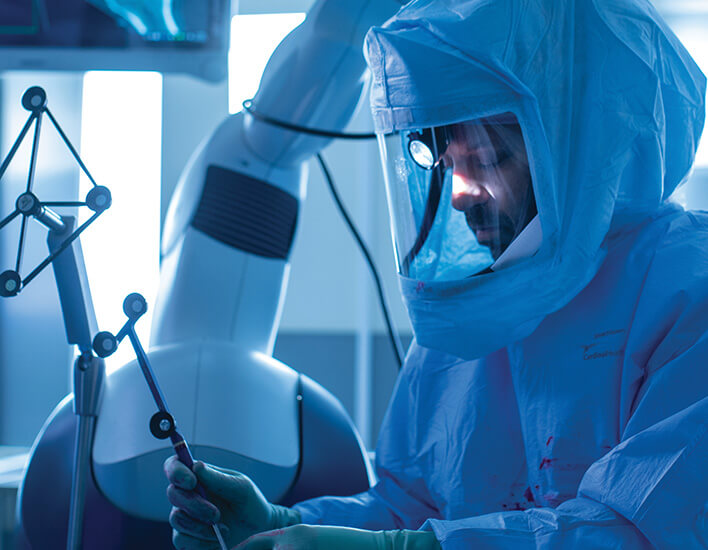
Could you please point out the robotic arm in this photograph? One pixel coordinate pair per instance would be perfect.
(244, 186)
(227, 240)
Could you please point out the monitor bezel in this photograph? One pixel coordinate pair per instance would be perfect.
(208, 62)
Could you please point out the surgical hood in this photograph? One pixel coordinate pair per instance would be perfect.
(612, 108)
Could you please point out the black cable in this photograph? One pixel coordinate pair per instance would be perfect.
(248, 107)
(395, 344)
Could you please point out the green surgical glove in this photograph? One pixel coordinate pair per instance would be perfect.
(316, 537)
(235, 503)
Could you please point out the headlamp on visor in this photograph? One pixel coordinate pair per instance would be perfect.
(424, 147)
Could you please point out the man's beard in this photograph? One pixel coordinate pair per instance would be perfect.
(494, 229)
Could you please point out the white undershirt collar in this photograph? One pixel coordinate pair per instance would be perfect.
(524, 246)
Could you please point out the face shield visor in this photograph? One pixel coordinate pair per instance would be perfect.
(458, 195)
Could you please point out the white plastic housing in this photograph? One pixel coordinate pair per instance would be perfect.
(231, 404)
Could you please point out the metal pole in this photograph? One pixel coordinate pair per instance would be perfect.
(82, 467)
(89, 376)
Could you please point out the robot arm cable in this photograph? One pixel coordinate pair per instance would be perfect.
(395, 342)
(248, 107)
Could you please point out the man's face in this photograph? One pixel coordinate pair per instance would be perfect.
(491, 182)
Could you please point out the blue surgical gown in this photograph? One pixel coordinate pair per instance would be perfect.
(590, 433)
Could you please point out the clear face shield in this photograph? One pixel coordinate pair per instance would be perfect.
(458, 195)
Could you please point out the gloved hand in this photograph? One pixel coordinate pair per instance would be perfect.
(321, 537)
(235, 503)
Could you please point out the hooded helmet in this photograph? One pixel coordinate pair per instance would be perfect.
(611, 107)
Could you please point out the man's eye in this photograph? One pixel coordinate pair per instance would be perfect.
(493, 161)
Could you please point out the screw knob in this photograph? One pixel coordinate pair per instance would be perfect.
(162, 425)
(28, 204)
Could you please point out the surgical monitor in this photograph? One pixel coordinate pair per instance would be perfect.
(184, 36)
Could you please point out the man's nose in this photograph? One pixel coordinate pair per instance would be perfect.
(467, 192)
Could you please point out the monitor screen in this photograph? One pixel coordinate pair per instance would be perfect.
(189, 36)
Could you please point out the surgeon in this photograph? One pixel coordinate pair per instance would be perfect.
(556, 394)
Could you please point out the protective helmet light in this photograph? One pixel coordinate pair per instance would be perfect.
(420, 152)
